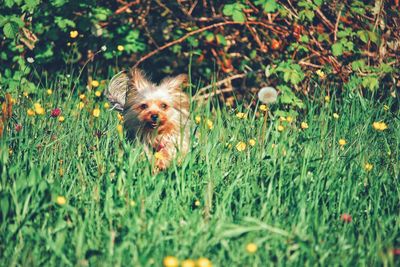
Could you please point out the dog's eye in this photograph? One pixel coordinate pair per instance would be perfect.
(164, 106)
(143, 106)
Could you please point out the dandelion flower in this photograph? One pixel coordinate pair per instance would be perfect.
(61, 119)
(252, 142)
(97, 93)
(73, 34)
(82, 96)
(95, 83)
(304, 125)
(49, 91)
(345, 217)
(120, 117)
(104, 48)
(30, 112)
(241, 115)
(170, 261)
(188, 263)
(197, 119)
(132, 203)
(120, 48)
(320, 74)
(30, 60)
(81, 105)
(380, 126)
(210, 124)
(120, 128)
(368, 167)
(327, 98)
(289, 119)
(342, 142)
(267, 95)
(241, 146)
(106, 105)
(96, 112)
(39, 110)
(281, 128)
(282, 118)
(335, 116)
(251, 248)
(263, 107)
(158, 155)
(197, 203)
(203, 262)
(61, 200)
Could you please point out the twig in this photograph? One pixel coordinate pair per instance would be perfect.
(216, 92)
(183, 38)
(125, 7)
(324, 19)
(337, 24)
(231, 78)
(257, 39)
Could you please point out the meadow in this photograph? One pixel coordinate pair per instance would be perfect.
(259, 187)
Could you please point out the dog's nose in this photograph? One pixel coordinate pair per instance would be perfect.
(154, 117)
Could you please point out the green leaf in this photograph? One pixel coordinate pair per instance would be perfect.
(221, 39)
(31, 4)
(9, 3)
(268, 6)
(370, 82)
(363, 36)
(337, 49)
(10, 29)
(238, 16)
(235, 11)
(373, 37)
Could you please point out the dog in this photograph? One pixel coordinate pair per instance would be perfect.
(155, 114)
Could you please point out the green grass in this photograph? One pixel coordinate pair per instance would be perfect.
(286, 195)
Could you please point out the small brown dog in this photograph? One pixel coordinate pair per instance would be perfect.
(157, 115)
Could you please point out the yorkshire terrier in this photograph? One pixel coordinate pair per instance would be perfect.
(156, 115)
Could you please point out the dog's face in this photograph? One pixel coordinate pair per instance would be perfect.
(155, 107)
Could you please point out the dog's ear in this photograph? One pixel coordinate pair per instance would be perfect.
(116, 90)
(174, 83)
(138, 81)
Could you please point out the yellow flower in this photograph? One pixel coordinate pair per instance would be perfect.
(380, 126)
(26, 94)
(120, 48)
(97, 93)
(188, 263)
(49, 91)
(368, 166)
(120, 117)
(251, 248)
(203, 262)
(81, 105)
(120, 128)
(96, 112)
(197, 203)
(30, 112)
(342, 142)
(132, 203)
(304, 125)
(61, 200)
(106, 105)
(327, 98)
(73, 34)
(158, 155)
(282, 118)
(39, 109)
(210, 124)
(95, 83)
(170, 261)
(289, 119)
(336, 116)
(320, 74)
(82, 96)
(61, 119)
(263, 107)
(281, 128)
(197, 119)
(241, 146)
(252, 142)
(241, 115)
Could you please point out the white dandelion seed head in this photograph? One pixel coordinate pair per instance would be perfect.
(30, 60)
(104, 48)
(267, 95)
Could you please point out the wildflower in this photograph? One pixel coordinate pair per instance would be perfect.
(30, 60)
(241, 115)
(132, 203)
(267, 95)
(252, 142)
(106, 105)
(342, 142)
(396, 251)
(26, 94)
(55, 112)
(304, 125)
(81, 105)
(96, 112)
(97, 93)
(368, 166)
(346, 218)
(320, 74)
(281, 128)
(380, 126)
(289, 119)
(263, 107)
(197, 119)
(197, 203)
(120, 128)
(120, 48)
(95, 83)
(203, 262)
(30, 112)
(61, 200)
(188, 263)
(210, 124)
(158, 155)
(393, 94)
(104, 48)
(82, 96)
(335, 116)
(170, 261)
(241, 146)
(327, 98)
(282, 118)
(120, 117)
(251, 248)
(38, 109)
(61, 119)
(49, 91)
(18, 127)
(73, 34)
